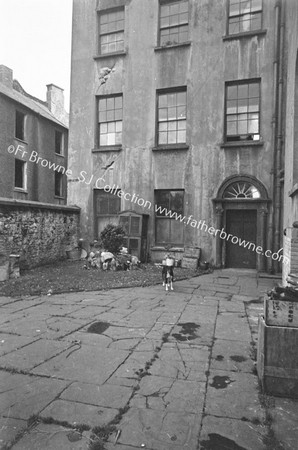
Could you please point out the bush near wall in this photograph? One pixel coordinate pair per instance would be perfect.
(40, 233)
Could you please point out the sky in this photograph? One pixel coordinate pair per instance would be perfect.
(35, 42)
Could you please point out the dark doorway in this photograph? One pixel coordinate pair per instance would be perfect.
(243, 225)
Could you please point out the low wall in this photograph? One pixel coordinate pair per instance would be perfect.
(40, 233)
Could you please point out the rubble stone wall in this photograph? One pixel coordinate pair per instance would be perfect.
(40, 233)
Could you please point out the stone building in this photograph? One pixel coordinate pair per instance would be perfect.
(36, 225)
(177, 118)
(32, 129)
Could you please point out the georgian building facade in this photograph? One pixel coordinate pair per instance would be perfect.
(179, 105)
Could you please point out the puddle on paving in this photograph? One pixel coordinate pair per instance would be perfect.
(187, 332)
(238, 358)
(98, 327)
(219, 358)
(218, 442)
(221, 382)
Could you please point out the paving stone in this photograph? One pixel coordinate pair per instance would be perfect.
(107, 395)
(232, 326)
(133, 364)
(219, 433)
(231, 306)
(24, 395)
(159, 430)
(79, 413)
(9, 428)
(232, 356)
(233, 395)
(10, 342)
(26, 326)
(98, 340)
(87, 364)
(52, 437)
(33, 354)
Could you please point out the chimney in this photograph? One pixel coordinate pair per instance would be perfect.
(55, 99)
(6, 75)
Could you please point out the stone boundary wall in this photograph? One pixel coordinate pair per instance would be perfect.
(40, 233)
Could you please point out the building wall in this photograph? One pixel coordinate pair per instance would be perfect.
(203, 66)
(291, 141)
(40, 138)
(40, 233)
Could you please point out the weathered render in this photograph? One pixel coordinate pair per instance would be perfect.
(291, 143)
(207, 165)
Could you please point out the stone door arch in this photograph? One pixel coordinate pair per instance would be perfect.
(247, 196)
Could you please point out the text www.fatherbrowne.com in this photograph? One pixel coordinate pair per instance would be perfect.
(202, 225)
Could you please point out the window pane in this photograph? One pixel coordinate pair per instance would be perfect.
(183, 7)
(162, 199)
(181, 136)
(234, 9)
(232, 92)
(162, 138)
(172, 113)
(231, 128)
(176, 201)
(243, 91)
(162, 231)
(172, 137)
(245, 6)
(242, 106)
(135, 226)
(231, 106)
(124, 223)
(103, 139)
(177, 232)
(234, 27)
(256, 22)
(256, 5)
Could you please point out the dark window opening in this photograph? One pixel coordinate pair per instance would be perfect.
(58, 142)
(20, 126)
(169, 209)
(58, 184)
(20, 181)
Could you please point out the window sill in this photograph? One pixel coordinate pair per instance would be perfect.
(24, 191)
(21, 140)
(166, 47)
(109, 55)
(60, 154)
(294, 191)
(60, 197)
(246, 34)
(238, 144)
(107, 148)
(160, 248)
(170, 147)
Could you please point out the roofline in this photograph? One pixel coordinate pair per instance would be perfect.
(54, 119)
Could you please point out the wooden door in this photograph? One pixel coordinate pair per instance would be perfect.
(243, 225)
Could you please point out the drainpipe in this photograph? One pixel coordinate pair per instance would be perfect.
(273, 132)
(278, 173)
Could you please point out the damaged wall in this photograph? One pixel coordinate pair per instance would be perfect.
(39, 233)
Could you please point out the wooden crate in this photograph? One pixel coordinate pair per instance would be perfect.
(189, 262)
(282, 313)
(277, 359)
(193, 252)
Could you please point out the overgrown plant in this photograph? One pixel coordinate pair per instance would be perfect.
(112, 238)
